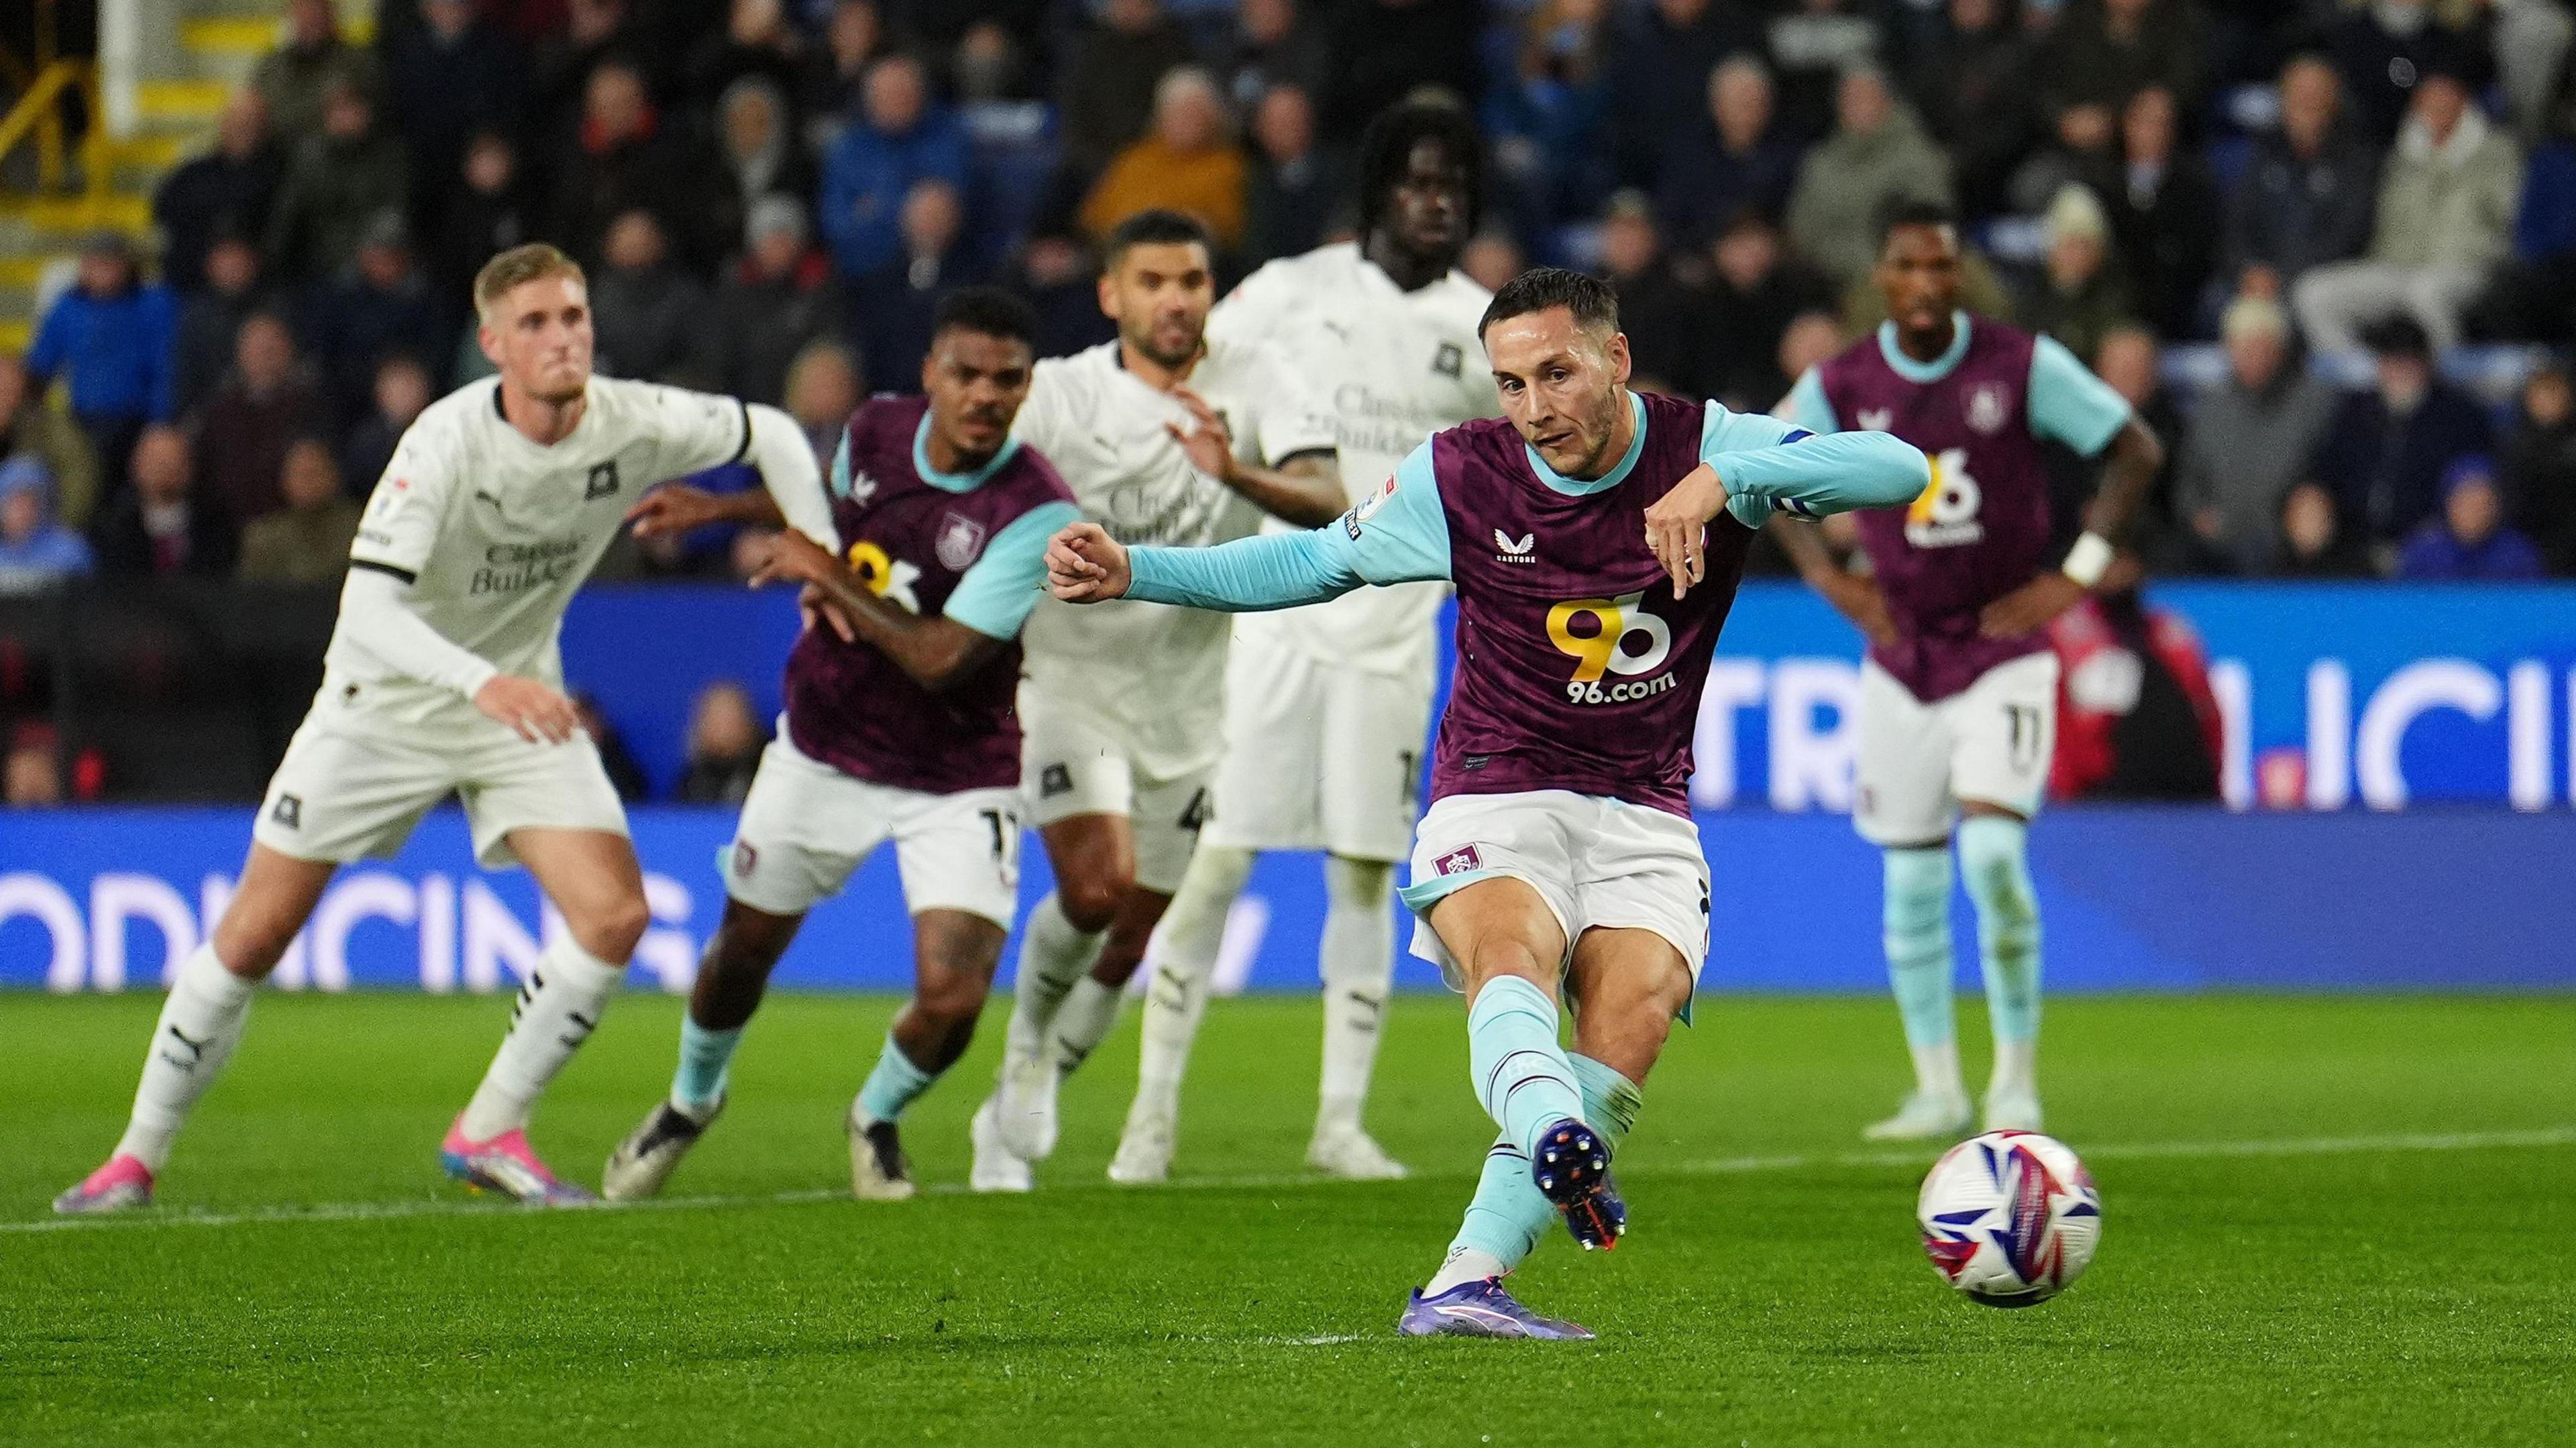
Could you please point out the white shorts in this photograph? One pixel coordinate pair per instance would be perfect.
(1600, 864)
(1990, 741)
(1318, 757)
(344, 794)
(1072, 763)
(805, 826)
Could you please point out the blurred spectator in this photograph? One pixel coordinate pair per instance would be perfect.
(625, 159)
(1542, 112)
(1384, 50)
(2540, 466)
(165, 526)
(1187, 163)
(2314, 543)
(1660, 86)
(1491, 259)
(1662, 318)
(2081, 295)
(296, 79)
(624, 774)
(210, 320)
(1814, 44)
(1973, 86)
(756, 43)
(225, 192)
(1812, 338)
(1055, 273)
(594, 31)
(1736, 159)
(30, 429)
(2106, 51)
(381, 305)
(757, 139)
(1290, 200)
(894, 304)
(2386, 450)
(2445, 217)
(988, 66)
(2165, 216)
(1112, 80)
(401, 389)
(487, 211)
(36, 550)
(2131, 362)
(1755, 292)
(2136, 718)
(34, 775)
(307, 541)
(2308, 193)
(644, 309)
(1274, 43)
(2532, 42)
(2083, 150)
(1876, 157)
(2250, 438)
(268, 401)
(338, 180)
(823, 389)
(2531, 296)
(451, 74)
(835, 71)
(725, 740)
(109, 339)
(2468, 540)
(2384, 49)
(778, 299)
(900, 139)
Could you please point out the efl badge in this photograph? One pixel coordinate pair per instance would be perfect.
(1460, 861)
(1376, 499)
(1989, 407)
(960, 539)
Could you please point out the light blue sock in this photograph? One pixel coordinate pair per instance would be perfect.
(700, 1082)
(1610, 1101)
(1994, 854)
(1917, 924)
(1505, 1218)
(1521, 1073)
(894, 1084)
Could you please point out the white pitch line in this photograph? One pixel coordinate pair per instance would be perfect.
(1717, 1166)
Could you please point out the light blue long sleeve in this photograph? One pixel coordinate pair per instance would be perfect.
(1248, 575)
(1830, 474)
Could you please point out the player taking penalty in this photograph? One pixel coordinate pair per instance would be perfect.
(442, 676)
(899, 726)
(1958, 701)
(1595, 539)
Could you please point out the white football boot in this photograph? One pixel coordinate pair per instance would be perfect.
(1925, 1116)
(1024, 1107)
(879, 1170)
(1353, 1155)
(1144, 1151)
(2013, 1109)
(651, 1152)
(997, 1168)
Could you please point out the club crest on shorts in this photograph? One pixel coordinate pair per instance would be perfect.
(1054, 780)
(960, 539)
(1989, 407)
(746, 858)
(288, 812)
(1463, 860)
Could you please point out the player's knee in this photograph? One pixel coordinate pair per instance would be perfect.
(1090, 902)
(611, 928)
(952, 1001)
(251, 948)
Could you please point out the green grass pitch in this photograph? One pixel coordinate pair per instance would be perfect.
(2334, 1221)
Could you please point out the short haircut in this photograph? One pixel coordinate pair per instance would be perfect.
(989, 311)
(516, 268)
(1594, 305)
(1159, 226)
(1910, 211)
(1386, 149)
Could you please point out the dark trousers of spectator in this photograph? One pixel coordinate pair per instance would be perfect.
(112, 436)
(2527, 302)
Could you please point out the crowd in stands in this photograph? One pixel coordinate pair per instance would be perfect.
(770, 194)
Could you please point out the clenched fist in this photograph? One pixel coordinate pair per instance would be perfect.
(1086, 565)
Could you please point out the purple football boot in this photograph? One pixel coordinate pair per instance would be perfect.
(1572, 1170)
(1482, 1309)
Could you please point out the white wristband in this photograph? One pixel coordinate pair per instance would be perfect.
(2088, 560)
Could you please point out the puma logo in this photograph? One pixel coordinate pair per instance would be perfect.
(196, 1050)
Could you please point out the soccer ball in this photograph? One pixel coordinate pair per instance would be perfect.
(2010, 1218)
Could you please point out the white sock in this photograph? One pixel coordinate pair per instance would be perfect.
(1936, 1070)
(200, 1024)
(1465, 1265)
(1053, 955)
(1185, 952)
(1088, 1011)
(558, 1008)
(1359, 967)
(2016, 1068)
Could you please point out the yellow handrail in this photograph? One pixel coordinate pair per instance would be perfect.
(40, 113)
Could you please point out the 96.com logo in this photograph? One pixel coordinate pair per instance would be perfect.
(1616, 625)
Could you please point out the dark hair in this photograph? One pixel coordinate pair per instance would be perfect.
(1594, 305)
(1386, 150)
(988, 311)
(1907, 211)
(1157, 227)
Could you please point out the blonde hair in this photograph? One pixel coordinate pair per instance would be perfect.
(516, 268)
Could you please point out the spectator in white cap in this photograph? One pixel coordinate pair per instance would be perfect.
(2251, 437)
(2082, 296)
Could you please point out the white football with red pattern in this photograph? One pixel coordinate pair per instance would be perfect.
(2010, 1218)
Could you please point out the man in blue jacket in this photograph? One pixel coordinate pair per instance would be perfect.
(109, 338)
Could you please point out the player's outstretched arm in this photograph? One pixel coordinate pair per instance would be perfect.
(679, 508)
(935, 651)
(1248, 575)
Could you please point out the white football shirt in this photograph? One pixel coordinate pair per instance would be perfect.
(1153, 672)
(494, 533)
(1389, 367)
